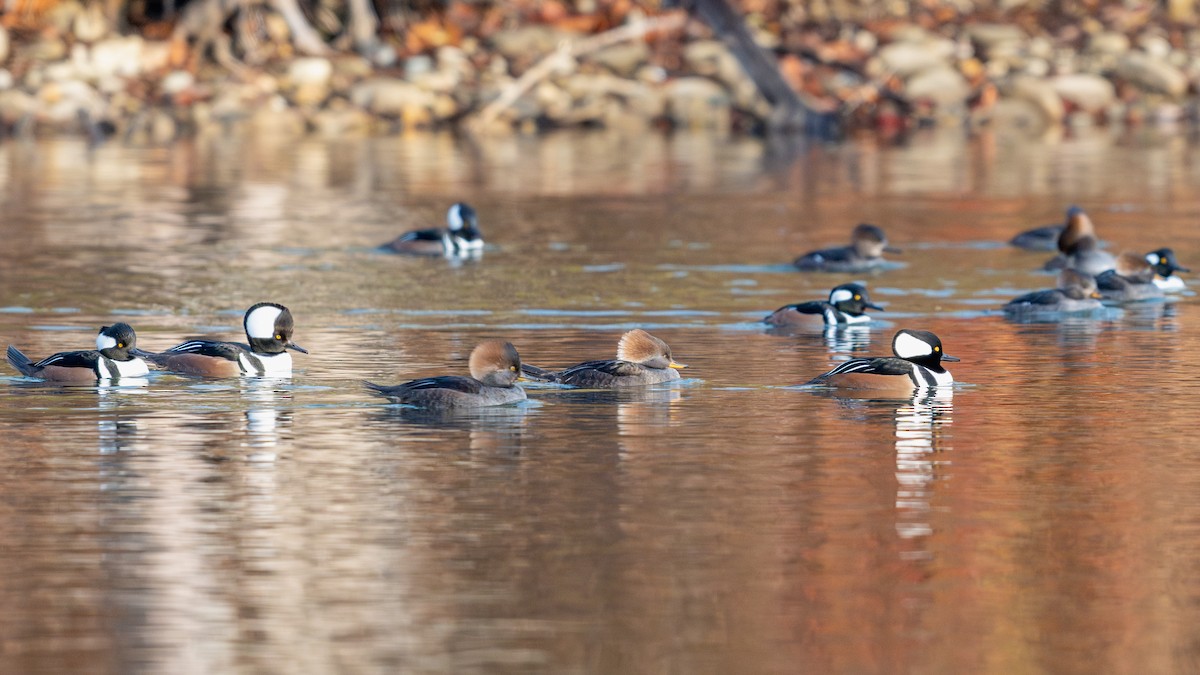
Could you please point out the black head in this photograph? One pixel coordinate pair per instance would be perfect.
(851, 299)
(1164, 262)
(116, 341)
(462, 217)
(920, 347)
(269, 328)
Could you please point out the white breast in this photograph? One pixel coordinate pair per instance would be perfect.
(131, 368)
(850, 318)
(276, 365)
(1171, 283)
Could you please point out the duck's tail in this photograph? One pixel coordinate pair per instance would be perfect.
(19, 361)
(538, 374)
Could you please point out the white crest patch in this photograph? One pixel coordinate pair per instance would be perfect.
(261, 322)
(105, 341)
(840, 295)
(907, 347)
(454, 218)
(1152, 258)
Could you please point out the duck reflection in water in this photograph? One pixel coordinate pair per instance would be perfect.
(117, 423)
(921, 424)
(265, 421)
(494, 429)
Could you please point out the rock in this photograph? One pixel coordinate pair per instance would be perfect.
(1040, 94)
(6, 79)
(417, 66)
(943, 85)
(63, 102)
(988, 37)
(90, 24)
(339, 119)
(16, 105)
(310, 70)
(5, 44)
(176, 82)
(698, 102)
(1152, 74)
(1091, 93)
(47, 49)
(528, 42)
(1111, 43)
(908, 58)
(713, 59)
(624, 58)
(119, 56)
(394, 98)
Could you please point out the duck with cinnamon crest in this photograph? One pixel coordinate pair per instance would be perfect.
(642, 359)
(495, 371)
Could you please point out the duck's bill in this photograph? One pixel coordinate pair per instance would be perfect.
(892, 249)
(871, 305)
(947, 357)
(1177, 268)
(293, 345)
(676, 365)
(140, 353)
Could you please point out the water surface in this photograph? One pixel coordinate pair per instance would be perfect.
(1042, 517)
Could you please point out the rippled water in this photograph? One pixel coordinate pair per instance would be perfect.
(1042, 518)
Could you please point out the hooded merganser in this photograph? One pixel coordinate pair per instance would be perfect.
(917, 364)
(460, 238)
(1165, 267)
(1079, 248)
(495, 370)
(116, 356)
(641, 359)
(268, 330)
(868, 243)
(847, 304)
(1076, 293)
(1038, 239)
(1131, 280)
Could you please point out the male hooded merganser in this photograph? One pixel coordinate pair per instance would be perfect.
(641, 359)
(1165, 267)
(1079, 248)
(268, 330)
(847, 304)
(1131, 280)
(460, 238)
(868, 243)
(917, 364)
(1076, 293)
(495, 370)
(116, 356)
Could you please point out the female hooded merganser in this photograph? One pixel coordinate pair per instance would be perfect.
(495, 370)
(1079, 248)
(1165, 267)
(1131, 280)
(1076, 293)
(116, 356)
(868, 243)
(269, 333)
(917, 364)
(461, 237)
(847, 304)
(641, 359)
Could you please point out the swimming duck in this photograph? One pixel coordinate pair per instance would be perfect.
(460, 238)
(495, 370)
(268, 328)
(1165, 267)
(116, 356)
(868, 243)
(916, 364)
(1079, 248)
(1131, 280)
(642, 359)
(847, 304)
(1038, 239)
(1076, 293)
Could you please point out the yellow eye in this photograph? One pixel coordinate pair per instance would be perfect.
(1162, 261)
(937, 349)
(278, 336)
(120, 345)
(858, 297)
(513, 368)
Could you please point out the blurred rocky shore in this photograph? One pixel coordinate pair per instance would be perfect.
(153, 73)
